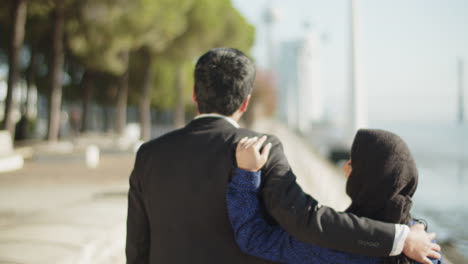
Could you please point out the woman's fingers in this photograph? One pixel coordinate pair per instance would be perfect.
(248, 156)
(241, 143)
(243, 140)
(254, 142)
(266, 152)
(250, 142)
(259, 143)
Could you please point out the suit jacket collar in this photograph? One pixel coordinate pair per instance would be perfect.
(227, 118)
(210, 122)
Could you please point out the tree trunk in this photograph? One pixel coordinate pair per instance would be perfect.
(56, 69)
(86, 85)
(121, 104)
(145, 99)
(18, 21)
(23, 126)
(179, 120)
(30, 80)
(106, 118)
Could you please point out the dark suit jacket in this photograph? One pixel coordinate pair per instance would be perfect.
(177, 210)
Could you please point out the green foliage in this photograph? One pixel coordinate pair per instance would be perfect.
(97, 35)
(206, 29)
(164, 70)
(98, 32)
(159, 21)
(101, 30)
(164, 96)
(238, 32)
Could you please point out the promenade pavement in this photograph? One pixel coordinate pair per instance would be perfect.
(56, 210)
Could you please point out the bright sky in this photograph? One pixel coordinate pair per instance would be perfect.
(409, 52)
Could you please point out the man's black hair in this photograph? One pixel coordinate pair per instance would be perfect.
(224, 77)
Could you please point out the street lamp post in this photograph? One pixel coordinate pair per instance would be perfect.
(358, 96)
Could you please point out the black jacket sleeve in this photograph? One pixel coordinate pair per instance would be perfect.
(301, 216)
(138, 236)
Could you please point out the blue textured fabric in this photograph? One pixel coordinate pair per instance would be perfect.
(258, 238)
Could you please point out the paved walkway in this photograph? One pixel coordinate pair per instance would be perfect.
(56, 210)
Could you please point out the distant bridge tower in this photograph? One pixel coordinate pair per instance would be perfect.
(461, 96)
(270, 17)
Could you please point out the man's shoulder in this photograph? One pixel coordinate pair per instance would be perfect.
(245, 132)
(163, 139)
(233, 135)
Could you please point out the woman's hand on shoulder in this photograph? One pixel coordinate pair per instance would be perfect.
(248, 153)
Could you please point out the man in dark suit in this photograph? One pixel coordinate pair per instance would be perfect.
(176, 203)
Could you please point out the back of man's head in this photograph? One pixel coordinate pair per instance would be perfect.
(224, 77)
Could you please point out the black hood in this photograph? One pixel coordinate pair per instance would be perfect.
(384, 176)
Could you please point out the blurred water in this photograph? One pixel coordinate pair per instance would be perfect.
(441, 153)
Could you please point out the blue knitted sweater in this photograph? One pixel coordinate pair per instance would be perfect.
(258, 238)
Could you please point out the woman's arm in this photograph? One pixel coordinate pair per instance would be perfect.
(258, 238)
(253, 234)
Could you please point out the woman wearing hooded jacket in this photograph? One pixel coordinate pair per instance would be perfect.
(382, 178)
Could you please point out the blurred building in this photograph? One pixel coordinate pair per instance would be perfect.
(300, 101)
